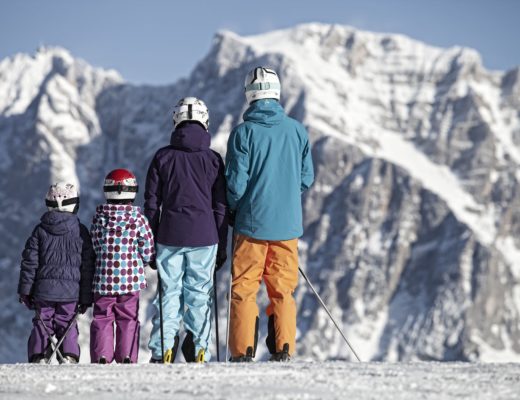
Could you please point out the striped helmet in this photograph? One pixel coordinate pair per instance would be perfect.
(191, 109)
(262, 83)
(62, 197)
(120, 184)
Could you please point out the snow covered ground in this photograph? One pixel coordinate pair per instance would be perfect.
(297, 380)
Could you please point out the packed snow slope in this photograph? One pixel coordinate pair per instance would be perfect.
(413, 223)
(323, 381)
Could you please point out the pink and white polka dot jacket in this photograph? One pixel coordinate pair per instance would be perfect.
(123, 242)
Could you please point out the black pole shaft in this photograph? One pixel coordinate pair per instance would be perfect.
(161, 326)
(327, 311)
(51, 340)
(69, 327)
(216, 314)
(229, 293)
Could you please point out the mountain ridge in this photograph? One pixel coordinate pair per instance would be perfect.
(413, 224)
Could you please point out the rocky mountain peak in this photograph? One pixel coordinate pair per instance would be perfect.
(413, 223)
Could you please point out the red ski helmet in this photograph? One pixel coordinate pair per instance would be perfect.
(120, 184)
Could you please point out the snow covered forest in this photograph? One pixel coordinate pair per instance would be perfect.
(413, 223)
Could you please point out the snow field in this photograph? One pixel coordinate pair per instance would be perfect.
(295, 380)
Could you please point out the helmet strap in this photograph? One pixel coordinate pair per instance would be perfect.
(188, 122)
(120, 201)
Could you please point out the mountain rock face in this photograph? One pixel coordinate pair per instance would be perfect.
(412, 226)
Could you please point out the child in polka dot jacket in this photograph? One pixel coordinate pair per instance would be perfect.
(123, 243)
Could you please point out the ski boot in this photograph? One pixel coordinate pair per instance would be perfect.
(200, 357)
(169, 355)
(127, 360)
(69, 359)
(102, 360)
(38, 359)
(248, 357)
(188, 348)
(282, 356)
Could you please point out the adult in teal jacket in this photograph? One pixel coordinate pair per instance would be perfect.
(268, 166)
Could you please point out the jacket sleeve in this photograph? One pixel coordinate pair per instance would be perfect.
(237, 168)
(88, 265)
(153, 196)
(307, 166)
(146, 245)
(30, 262)
(220, 204)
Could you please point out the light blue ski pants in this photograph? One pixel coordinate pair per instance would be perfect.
(187, 282)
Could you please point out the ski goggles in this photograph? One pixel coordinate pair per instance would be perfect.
(120, 188)
(64, 202)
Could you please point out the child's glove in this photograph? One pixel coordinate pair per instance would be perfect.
(153, 265)
(27, 301)
(82, 308)
(221, 258)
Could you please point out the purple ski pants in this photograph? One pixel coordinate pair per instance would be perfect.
(124, 311)
(56, 316)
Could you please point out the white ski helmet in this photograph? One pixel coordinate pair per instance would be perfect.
(262, 83)
(191, 109)
(62, 197)
(120, 184)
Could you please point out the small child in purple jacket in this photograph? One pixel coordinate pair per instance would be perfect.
(56, 275)
(123, 242)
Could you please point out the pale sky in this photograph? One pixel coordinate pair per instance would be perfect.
(159, 41)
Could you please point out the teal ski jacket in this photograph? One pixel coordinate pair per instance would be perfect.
(268, 167)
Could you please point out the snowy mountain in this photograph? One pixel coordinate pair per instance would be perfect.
(413, 224)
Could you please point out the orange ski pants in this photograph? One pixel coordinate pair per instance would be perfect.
(276, 262)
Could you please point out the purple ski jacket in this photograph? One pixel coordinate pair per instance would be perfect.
(58, 260)
(187, 180)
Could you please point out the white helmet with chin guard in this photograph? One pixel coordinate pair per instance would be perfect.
(262, 83)
(62, 197)
(191, 109)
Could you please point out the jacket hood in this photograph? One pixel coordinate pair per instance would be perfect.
(266, 112)
(59, 223)
(191, 137)
(118, 217)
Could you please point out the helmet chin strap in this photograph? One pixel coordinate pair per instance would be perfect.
(120, 201)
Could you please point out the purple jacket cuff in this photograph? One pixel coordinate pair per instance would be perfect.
(24, 288)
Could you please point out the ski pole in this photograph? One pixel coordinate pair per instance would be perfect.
(69, 327)
(216, 313)
(328, 312)
(229, 294)
(159, 287)
(51, 338)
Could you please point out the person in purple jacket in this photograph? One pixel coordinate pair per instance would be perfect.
(185, 203)
(56, 275)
